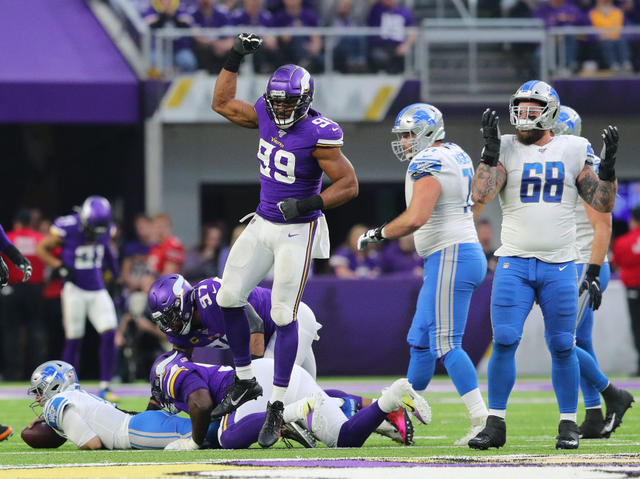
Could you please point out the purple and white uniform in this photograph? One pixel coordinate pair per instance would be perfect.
(85, 294)
(212, 333)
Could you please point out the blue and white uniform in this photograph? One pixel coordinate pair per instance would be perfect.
(454, 265)
(80, 416)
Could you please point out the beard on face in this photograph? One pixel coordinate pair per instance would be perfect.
(529, 137)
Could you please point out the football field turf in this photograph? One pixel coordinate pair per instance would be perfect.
(532, 419)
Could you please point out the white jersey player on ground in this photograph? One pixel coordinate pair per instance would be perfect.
(439, 213)
(93, 423)
(538, 178)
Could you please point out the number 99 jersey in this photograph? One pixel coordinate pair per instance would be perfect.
(539, 198)
(451, 221)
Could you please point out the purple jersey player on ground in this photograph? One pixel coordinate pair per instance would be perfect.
(197, 388)
(190, 317)
(297, 144)
(85, 240)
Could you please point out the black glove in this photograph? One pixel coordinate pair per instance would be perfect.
(371, 236)
(246, 43)
(4, 273)
(64, 272)
(19, 260)
(292, 208)
(610, 138)
(591, 283)
(491, 135)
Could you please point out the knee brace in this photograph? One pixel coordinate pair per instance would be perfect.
(281, 314)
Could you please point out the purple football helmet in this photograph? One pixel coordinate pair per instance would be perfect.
(289, 95)
(95, 216)
(171, 304)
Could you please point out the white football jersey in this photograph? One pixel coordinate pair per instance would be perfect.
(584, 230)
(99, 418)
(539, 198)
(451, 221)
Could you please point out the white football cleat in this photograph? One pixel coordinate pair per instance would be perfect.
(401, 394)
(477, 425)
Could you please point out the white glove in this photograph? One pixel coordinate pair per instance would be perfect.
(372, 236)
(182, 445)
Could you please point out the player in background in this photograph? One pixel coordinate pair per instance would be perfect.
(593, 235)
(8, 249)
(191, 317)
(297, 145)
(538, 178)
(85, 238)
(93, 423)
(197, 388)
(439, 214)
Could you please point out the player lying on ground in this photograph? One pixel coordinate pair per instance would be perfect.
(93, 423)
(190, 316)
(197, 388)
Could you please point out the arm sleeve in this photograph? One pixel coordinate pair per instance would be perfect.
(4, 240)
(75, 428)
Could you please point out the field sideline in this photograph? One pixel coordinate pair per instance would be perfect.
(531, 428)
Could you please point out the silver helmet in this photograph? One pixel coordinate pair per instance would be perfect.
(569, 122)
(51, 378)
(541, 117)
(426, 125)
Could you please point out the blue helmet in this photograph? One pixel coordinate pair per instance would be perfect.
(569, 122)
(171, 304)
(51, 378)
(542, 117)
(289, 95)
(95, 217)
(426, 125)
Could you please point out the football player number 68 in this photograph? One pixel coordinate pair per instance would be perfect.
(282, 162)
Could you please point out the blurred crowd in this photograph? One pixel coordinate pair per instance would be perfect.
(609, 50)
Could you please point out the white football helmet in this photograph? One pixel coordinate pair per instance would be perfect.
(51, 378)
(569, 122)
(541, 117)
(424, 121)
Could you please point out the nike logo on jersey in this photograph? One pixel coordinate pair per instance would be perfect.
(563, 267)
(292, 235)
(235, 403)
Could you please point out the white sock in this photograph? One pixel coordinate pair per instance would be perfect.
(104, 385)
(569, 416)
(277, 394)
(387, 403)
(474, 402)
(244, 372)
(599, 406)
(498, 412)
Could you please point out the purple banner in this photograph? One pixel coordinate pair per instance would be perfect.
(365, 324)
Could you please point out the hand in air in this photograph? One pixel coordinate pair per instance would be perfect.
(247, 43)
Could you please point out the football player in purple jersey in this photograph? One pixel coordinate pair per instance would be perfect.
(181, 385)
(85, 240)
(297, 144)
(191, 317)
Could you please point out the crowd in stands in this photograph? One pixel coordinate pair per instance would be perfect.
(609, 50)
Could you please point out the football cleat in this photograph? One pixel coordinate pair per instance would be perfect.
(397, 426)
(5, 432)
(270, 432)
(494, 434)
(593, 425)
(477, 425)
(241, 391)
(294, 432)
(568, 435)
(617, 404)
(107, 395)
(403, 395)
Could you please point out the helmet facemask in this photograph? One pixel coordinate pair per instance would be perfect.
(543, 115)
(417, 127)
(175, 318)
(285, 110)
(49, 379)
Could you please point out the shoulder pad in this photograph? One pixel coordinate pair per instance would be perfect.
(53, 411)
(420, 167)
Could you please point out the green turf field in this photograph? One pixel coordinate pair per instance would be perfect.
(531, 428)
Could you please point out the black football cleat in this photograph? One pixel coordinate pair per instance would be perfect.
(294, 432)
(5, 432)
(593, 425)
(494, 434)
(270, 432)
(617, 401)
(568, 435)
(241, 391)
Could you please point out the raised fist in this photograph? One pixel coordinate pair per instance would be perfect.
(246, 43)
